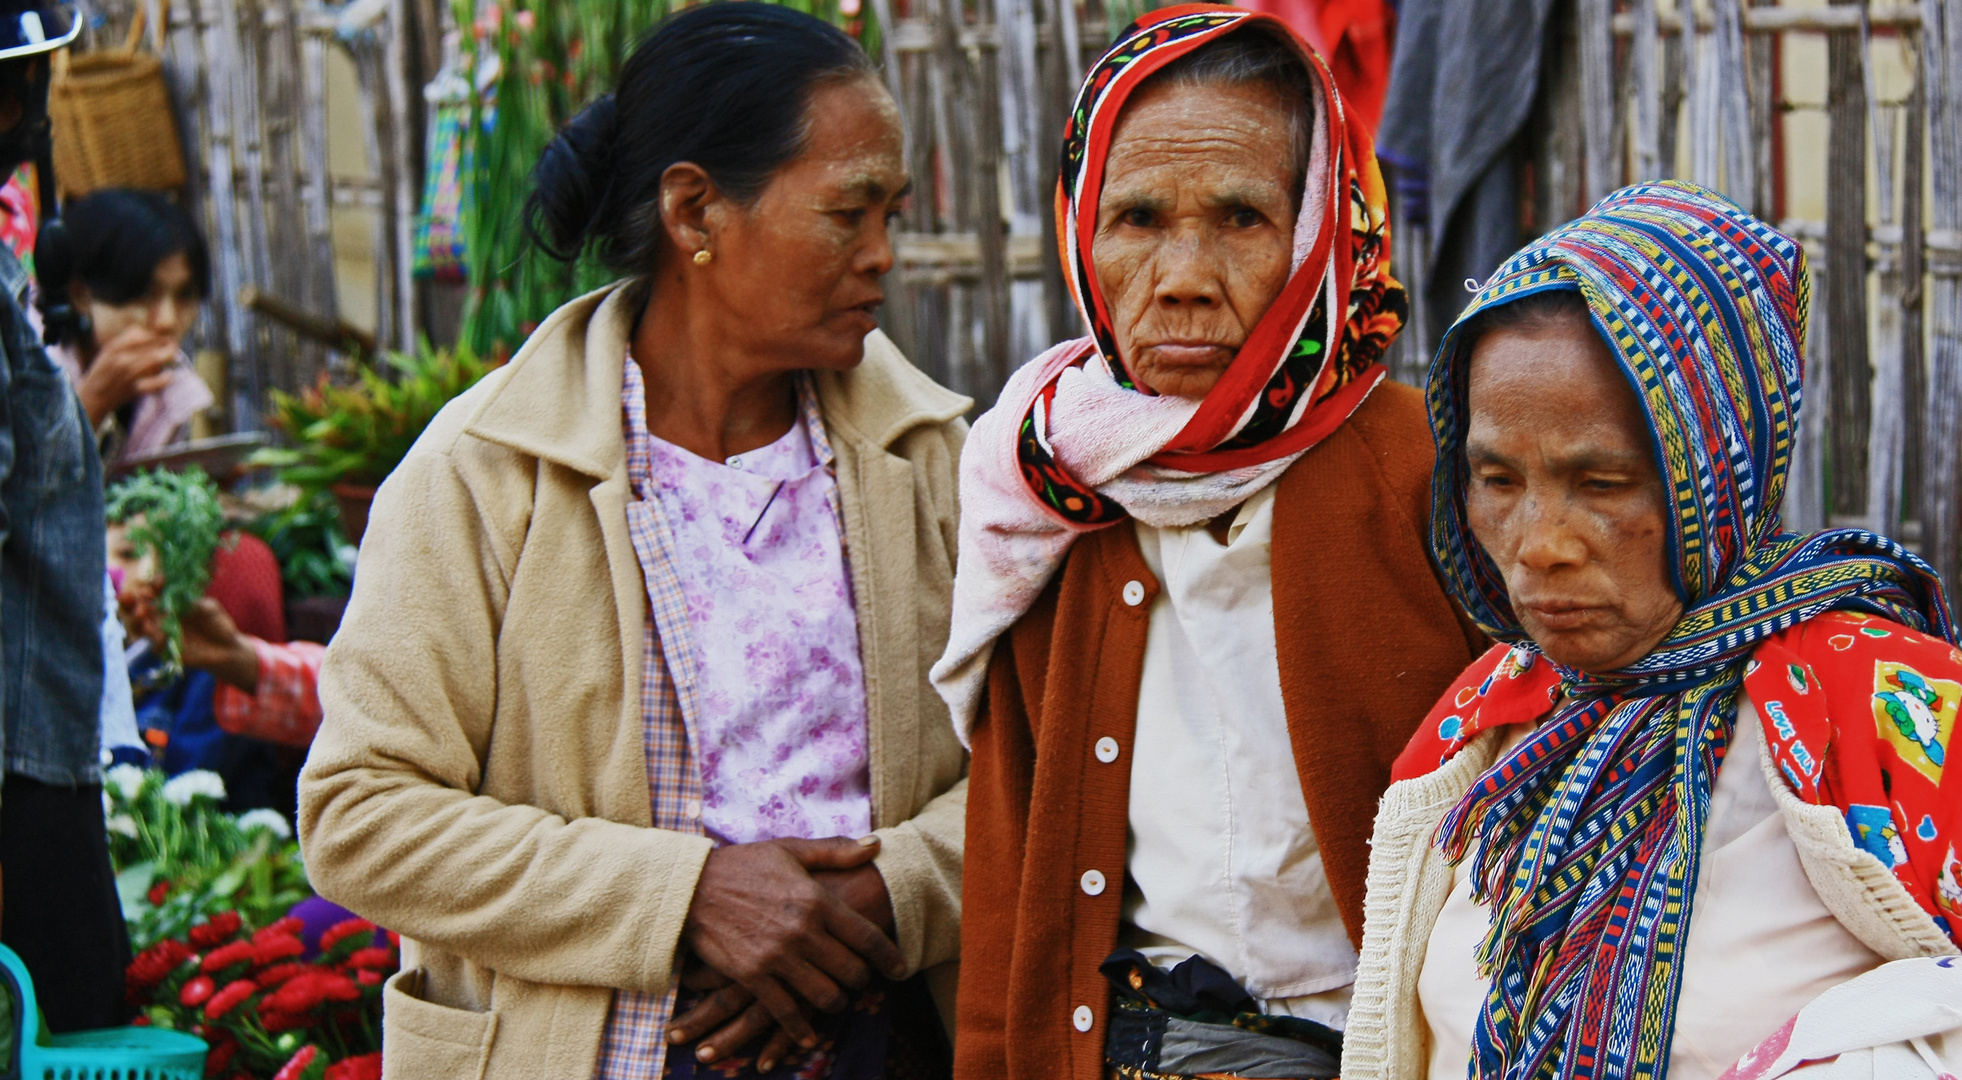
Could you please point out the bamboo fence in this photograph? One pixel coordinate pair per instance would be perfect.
(1634, 90)
(1631, 90)
(249, 79)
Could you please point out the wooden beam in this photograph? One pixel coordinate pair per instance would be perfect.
(1779, 20)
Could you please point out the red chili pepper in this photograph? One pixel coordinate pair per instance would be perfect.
(197, 992)
(226, 1000)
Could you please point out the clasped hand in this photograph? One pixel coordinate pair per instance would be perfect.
(776, 929)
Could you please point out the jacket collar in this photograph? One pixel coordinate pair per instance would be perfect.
(561, 400)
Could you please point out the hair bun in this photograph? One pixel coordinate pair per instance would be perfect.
(573, 178)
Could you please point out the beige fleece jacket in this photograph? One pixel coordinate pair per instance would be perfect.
(478, 784)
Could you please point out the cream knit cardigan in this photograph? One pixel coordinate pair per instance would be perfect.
(1409, 880)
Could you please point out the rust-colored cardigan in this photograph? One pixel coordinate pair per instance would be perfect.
(1366, 640)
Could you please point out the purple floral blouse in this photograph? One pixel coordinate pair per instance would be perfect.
(779, 717)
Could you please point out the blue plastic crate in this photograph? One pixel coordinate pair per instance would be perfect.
(127, 1053)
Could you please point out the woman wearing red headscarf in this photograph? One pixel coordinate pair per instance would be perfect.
(1194, 620)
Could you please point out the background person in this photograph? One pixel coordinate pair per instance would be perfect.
(639, 644)
(58, 905)
(1194, 621)
(1702, 785)
(122, 277)
(247, 704)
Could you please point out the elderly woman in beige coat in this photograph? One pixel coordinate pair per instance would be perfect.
(627, 730)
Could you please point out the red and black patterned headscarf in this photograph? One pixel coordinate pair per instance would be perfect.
(1290, 385)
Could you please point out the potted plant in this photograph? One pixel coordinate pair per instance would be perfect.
(348, 438)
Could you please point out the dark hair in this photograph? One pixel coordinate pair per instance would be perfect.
(1533, 311)
(1254, 57)
(113, 241)
(724, 85)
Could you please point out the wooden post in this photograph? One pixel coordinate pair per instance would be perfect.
(1646, 60)
(1595, 20)
(1059, 85)
(1914, 267)
(1941, 478)
(1846, 269)
(996, 364)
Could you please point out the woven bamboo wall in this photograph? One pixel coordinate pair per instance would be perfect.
(1633, 90)
(250, 82)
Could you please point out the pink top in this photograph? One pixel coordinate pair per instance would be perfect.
(779, 719)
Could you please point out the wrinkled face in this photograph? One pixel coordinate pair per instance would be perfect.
(1565, 494)
(797, 271)
(167, 310)
(1195, 228)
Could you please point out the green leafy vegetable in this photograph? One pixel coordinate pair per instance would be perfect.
(176, 517)
(315, 559)
(359, 433)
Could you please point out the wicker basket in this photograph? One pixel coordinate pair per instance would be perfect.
(113, 124)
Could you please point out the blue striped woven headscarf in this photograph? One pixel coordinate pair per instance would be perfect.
(1586, 836)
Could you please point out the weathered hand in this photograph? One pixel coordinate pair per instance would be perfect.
(741, 1018)
(760, 918)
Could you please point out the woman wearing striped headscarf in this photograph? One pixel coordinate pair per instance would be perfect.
(1680, 820)
(1175, 761)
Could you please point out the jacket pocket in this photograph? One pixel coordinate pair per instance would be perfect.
(427, 1040)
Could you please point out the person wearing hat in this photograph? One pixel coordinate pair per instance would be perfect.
(58, 906)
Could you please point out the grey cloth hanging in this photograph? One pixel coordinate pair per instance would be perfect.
(1462, 87)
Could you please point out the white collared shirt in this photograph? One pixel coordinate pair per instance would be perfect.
(1220, 860)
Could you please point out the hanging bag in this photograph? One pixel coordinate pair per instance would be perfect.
(113, 121)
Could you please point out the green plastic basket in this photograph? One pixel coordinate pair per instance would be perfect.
(129, 1053)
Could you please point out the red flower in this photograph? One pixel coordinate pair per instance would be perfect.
(215, 931)
(155, 963)
(343, 930)
(220, 1056)
(373, 957)
(279, 973)
(224, 956)
(226, 1000)
(277, 1022)
(158, 891)
(306, 992)
(273, 949)
(369, 978)
(197, 992)
(365, 1067)
(288, 926)
(298, 1065)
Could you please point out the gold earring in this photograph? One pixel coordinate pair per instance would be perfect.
(704, 257)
